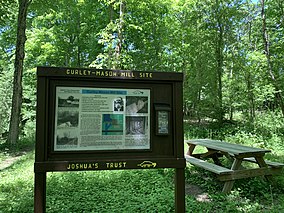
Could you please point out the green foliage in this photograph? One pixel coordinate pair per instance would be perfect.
(29, 101)
(152, 190)
(253, 194)
(217, 45)
(249, 195)
(101, 191)
(133, 191)
(266, 131)
(142, 190)
(65, 33)
(16, 186)
(5, 98)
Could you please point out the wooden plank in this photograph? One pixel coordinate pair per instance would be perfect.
(247, 173)
(53, 166)
(230, 183)
(269, 163)
(235, 149)
(93, 73)
(225, 146)
(190, 149)
(207, 166)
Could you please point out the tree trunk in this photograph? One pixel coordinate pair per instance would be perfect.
(14, 129)
(267, 54)
(118, 49)
(249, 84)
(110, 51)
(220, 61)
(78, 41)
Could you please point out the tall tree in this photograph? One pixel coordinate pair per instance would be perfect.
(266, 42)
(219, 48)
(18, 73)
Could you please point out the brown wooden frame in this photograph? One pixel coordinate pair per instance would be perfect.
(166, 151)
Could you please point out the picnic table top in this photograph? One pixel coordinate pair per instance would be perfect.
(233, 149)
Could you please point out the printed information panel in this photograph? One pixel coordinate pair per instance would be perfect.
(101, 119)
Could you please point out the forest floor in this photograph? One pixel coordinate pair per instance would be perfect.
(9, 157)
(9, 161)
(197, 192)
(202, 191)
(190, 189)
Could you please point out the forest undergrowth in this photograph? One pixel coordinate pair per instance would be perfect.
(150, 190)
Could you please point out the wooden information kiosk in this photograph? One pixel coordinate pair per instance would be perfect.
(90, 119)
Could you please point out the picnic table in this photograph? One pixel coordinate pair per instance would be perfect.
(237, 154)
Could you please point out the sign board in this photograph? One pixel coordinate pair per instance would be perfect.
(90, 119)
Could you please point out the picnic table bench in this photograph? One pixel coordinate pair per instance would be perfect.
(235, 152)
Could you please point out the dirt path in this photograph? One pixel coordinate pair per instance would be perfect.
(9, 161)
(196, 191)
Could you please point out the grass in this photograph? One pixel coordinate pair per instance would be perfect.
(98, 191)
(133, 191)
(16, 186)
(110, 191)
(128, 191)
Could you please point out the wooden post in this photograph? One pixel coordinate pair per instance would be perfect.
(229, 184)
(40, 192)
(180, 191)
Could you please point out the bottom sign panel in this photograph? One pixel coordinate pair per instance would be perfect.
(109, 165)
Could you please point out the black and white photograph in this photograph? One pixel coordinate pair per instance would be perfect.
(71, 101)
(66, 138)
(136, 125)
(118, 105)
(136, 104)
(67, 118)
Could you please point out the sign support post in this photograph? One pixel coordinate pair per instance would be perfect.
(40, 192)
(179, 191)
